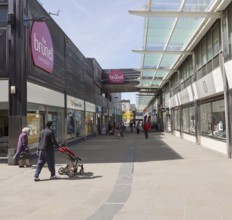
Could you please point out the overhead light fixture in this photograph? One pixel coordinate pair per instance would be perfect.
(41, 18)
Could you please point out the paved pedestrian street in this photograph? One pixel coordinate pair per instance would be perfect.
(159, 178)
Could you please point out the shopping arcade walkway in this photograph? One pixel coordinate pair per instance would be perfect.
(163, 177)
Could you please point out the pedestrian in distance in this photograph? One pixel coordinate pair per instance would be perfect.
(131, 126)
(138, 127)
(45, 152)
(22, 154)
(146, 127)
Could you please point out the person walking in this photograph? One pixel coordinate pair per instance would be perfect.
(146, 127)
(22, 151)
(138, 127)
(46, 147)
(131, 126)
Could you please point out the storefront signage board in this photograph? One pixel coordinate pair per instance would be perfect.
(75, 103)
(42, 47)
(116, 77)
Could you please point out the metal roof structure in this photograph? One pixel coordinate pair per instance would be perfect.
(172, 28)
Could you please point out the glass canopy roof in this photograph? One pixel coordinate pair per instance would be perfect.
(171, 30)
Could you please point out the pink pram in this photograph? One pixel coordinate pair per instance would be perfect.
(73, 162)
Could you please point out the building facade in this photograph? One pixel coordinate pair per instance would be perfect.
(44, 76)
(196, 102)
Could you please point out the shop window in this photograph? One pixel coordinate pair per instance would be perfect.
(205, 115)
(212, 119)
(89, 125)
(192, 123)
(188, 120)
(35, 123)
(3, 123)
(55, 118)
(74, 123)
(185, 120)
(3, 133)
(177, 119)
(218, 119)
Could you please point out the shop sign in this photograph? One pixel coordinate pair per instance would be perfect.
(42, 47)
(4, 94)
(98, 109)
(74, 103)
(116, 77)
(89, 107)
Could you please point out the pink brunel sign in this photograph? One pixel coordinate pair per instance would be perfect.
(42, 47)
(116, 76)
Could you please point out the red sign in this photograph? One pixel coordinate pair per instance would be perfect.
(42, 47)
(116, 76)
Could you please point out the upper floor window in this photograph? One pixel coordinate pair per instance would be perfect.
(3, 15)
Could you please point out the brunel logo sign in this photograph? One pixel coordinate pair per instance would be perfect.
(116, 76)
(42, 47)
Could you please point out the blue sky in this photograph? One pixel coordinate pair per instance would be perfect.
(102, 29)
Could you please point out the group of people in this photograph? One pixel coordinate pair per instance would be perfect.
(146, 127)
(116, 129)
(46, 147)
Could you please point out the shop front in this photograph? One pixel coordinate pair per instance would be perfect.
(46, 83)
(75, 118)
(44, 105)
(90, 119)
(99, 119)
(4, 118)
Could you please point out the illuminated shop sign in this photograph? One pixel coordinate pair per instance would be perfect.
(42, 47)
(116, 76)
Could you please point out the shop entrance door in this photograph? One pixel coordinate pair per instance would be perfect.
(3, 133)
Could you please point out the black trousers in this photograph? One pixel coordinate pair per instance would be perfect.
(146, 133)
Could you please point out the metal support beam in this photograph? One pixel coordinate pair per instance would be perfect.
(161, 52)
(175, 14)
(155, 69)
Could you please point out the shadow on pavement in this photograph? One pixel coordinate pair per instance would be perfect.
(108, 149)
(87, 175)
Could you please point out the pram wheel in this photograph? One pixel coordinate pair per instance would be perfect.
(82, 170)
(61, 170)
(71, 173)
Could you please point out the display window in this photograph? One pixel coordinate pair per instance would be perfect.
(89, 123)
(54, 114)
(176, 115)
(74, 123)
(192, 122)
(212, 119)
(188, 120)
(38, 115)
(35, 123)
(3, 132)
(3, 123)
